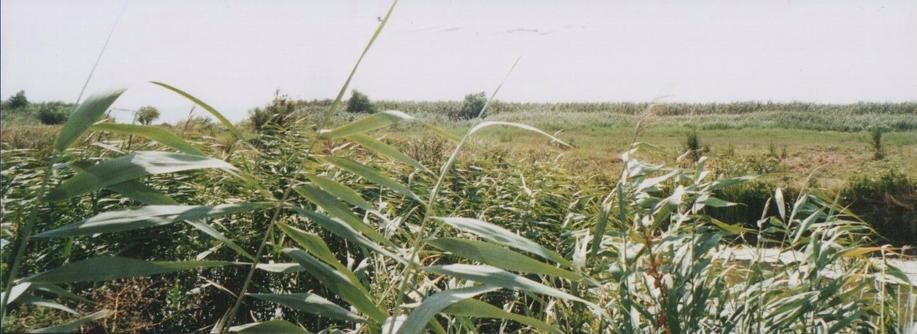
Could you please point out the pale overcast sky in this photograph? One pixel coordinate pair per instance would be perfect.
(235, 54)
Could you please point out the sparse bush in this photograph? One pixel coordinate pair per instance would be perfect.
(147, 114)
(359, 103)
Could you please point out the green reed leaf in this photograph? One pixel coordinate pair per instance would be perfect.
(87, 113)
(501, 278)
(346, 232)
(421, 316)
(387, 151)
(154, 133)
(366, 124)
(75, 324)
(281, 268)
(269, 327)
(340, 191)
(142, 193)
(500, 257)
(129, 167)
(148, 216)
(106, 268)
(213, 233)
(372, 175)
(474, 308)
(309, 303)
(317, 247)
(502, 236)
(336, 209)
(355, 294)
(41, 302)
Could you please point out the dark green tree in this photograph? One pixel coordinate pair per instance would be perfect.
(18, 100)
(359, 103)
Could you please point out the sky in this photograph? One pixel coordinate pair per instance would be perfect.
(236, 54)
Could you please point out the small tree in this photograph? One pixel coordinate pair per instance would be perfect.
(50, 115)
(148, 114)
(359, 103)
(18, 100)
(875, 136)
(471, 107)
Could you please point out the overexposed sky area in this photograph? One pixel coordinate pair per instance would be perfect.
(235, 54)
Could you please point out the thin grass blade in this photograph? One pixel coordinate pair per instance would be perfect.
(223, 120)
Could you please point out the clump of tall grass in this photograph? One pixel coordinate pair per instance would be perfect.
(875, 141)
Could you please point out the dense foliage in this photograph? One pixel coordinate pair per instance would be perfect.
(359, 103)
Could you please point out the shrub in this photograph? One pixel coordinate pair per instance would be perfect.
(50, 115)
(887, 202)
(148, 114)
(359, 103)
(471, 107)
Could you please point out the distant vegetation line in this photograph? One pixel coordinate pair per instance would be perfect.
(893, 116)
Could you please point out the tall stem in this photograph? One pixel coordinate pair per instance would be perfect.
(231, 314)
(25, 235)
